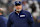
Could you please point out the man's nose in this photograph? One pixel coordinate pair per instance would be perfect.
(18, 6)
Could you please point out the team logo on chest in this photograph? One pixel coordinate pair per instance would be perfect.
(22, 15)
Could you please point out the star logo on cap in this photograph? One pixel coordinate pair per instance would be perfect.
(17, 1)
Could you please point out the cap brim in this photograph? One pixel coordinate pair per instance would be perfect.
(17, 4)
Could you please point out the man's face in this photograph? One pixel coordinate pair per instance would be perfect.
(0, 13)
(18, 7)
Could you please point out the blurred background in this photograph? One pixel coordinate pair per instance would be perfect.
(33, 6)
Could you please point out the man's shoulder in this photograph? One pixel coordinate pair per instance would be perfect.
(26, 12)
(1, 19)
(11, 13)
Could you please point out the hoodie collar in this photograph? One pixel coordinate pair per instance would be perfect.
(20, 12)
(1, 15)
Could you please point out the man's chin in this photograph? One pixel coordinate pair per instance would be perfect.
(18, 10)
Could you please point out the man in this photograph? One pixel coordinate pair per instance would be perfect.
(3, 20)
(20, 18)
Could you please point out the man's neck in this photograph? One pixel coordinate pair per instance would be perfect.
(17, 11)
(0, 13)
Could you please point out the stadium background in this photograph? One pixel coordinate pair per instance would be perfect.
(33, 6)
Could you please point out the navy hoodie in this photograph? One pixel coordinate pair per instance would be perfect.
(23, 19)
(3, 21)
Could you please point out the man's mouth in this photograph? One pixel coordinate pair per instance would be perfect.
(18, 10)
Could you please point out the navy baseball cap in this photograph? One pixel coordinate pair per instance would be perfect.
(18, 3)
